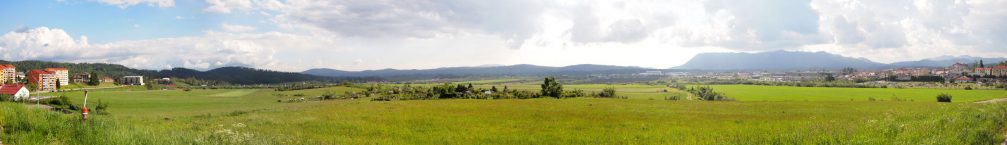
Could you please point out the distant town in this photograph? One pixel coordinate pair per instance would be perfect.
(18, 85)
(977, 73)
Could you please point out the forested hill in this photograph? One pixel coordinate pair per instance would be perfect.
(243, 75)
(233, 75)
(103, 69)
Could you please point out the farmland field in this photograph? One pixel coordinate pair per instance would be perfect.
(256, 116)
(783, 93)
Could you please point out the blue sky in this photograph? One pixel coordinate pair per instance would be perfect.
(295, 35)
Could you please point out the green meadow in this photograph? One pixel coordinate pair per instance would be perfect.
(762, 115)
(784, 93)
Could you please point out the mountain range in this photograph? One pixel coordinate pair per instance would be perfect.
(486, 70)
(792, 60)
(768, 61)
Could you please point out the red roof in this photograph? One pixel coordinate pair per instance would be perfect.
(36, 72)
(55, 69)
(2, 66)
(1000, 67)
(10, 89)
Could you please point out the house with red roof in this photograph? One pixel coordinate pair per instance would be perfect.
(15, 91)
(999, 70)
(963, 79)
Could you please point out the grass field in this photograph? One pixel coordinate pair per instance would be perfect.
(783, 93)
(253, 116)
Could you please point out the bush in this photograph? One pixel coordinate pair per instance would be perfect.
(943, 98)
(607, 93)
(706, 93)
(968, 87)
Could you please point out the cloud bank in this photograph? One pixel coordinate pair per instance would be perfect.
(356, 32)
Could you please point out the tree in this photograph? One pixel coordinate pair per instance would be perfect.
(149, 86)
(552, 88)
(33, 86)
(93, 79)
(981, 63)
(58, 84)
(829, 78)
(494, 89)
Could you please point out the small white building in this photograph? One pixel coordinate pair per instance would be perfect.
(16, 91)
(131, 80)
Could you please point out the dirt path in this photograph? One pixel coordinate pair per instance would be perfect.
(998, 100)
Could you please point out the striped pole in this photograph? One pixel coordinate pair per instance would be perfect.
(83, 110)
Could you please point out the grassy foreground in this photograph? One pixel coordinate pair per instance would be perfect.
(233, 116)
(784, 93)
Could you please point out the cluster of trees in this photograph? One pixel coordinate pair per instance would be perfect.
(706, 93)
(444, 91)
(550, 88)
(917, 79)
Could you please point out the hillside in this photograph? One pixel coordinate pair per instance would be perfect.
(521, 69)
(234, 75)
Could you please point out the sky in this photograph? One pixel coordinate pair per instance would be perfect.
(296, 35)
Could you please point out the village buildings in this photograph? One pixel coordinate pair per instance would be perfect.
(44, 81)
(131, 80)
(7, 74)
(15, 91)
(62, 75)
(80, 78)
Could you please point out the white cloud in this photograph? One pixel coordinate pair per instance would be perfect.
(214, 49)
(226, 6)
(899, 30)
(419, 34)
(236, 28)
(126, 3)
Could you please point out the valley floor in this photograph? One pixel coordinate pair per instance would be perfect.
(763, 115)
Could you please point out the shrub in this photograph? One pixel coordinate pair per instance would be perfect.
(968, 87)
(943, 98)
(607, 93)
(706, 93)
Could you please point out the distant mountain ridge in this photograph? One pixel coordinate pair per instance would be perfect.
(520, 69)
(794, 60)
(775, 60)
